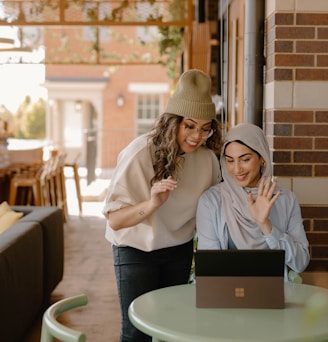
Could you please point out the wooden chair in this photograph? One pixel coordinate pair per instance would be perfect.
(54, 180)
(25, 186)
(59, 181)
(52, 329)
(74, 166)
(45, 181)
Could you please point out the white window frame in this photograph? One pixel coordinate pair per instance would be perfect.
(153, 91)
(148, 109)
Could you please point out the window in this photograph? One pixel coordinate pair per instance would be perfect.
(149, 103)
(148, 110)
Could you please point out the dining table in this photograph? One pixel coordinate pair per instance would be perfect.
(170, 314)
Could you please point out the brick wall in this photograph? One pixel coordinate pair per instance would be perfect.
(316, 226)
(296, 115)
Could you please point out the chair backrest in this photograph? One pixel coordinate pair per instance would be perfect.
(51, 328)
(295, 277)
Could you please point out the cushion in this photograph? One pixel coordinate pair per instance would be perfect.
(4, 208)
(8, 217)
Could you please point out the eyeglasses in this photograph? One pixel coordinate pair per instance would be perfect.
(205, 133)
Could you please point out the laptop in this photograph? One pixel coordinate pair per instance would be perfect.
(240, 278)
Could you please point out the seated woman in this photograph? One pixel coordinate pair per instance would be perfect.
(247, 210)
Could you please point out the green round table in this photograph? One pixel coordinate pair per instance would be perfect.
(170, 314)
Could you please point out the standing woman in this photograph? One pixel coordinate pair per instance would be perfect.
(153, 194)
(247, 210)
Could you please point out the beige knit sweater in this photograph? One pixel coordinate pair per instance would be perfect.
(174, 222)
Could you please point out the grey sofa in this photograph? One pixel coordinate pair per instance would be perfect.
(31, 266)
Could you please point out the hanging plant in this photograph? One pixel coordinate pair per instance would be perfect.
(170, 37)
(170, 45)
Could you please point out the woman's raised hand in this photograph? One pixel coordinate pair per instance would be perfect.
(160, 191)
(261, 206)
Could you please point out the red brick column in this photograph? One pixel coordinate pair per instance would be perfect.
(297, 60)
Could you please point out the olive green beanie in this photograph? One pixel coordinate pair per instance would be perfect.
(191, 97)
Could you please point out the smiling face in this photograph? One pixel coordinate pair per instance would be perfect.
(243, 164)
(193, 133)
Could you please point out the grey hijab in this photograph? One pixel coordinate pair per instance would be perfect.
(243, 230)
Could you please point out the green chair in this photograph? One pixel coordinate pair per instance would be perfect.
(295, 277)
(51, 328)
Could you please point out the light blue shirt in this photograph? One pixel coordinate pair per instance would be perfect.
(287, 227)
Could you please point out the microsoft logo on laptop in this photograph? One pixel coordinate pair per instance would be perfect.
(239, 292)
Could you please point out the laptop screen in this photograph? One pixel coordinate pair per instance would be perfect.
(239, 262)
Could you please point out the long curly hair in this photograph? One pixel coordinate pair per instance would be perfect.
(167, 158)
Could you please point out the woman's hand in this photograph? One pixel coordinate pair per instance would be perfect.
(134, 214)
(261, 207)
(160, 191)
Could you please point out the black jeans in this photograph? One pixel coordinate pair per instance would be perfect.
(138, 272)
